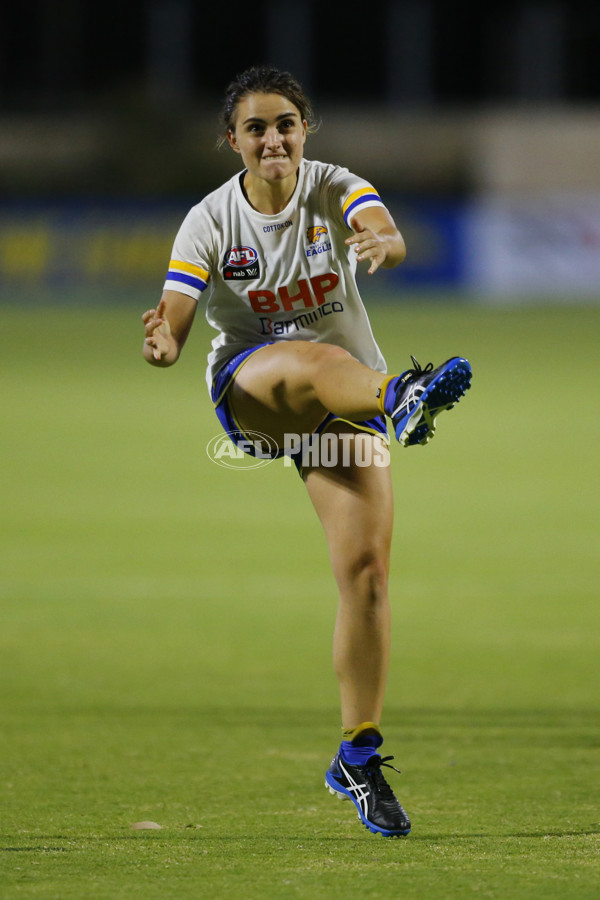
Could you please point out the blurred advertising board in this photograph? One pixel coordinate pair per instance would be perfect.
(542, 245)
(498, 247)
(86, 244)
(434, 236)
(92, 244)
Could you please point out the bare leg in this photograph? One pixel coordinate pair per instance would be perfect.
(290, 387)
(284, 389)
(355, 507)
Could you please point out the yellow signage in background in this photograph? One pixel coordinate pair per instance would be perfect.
(25, 252)
(94, 248)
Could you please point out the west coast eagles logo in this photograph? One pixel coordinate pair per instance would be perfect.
(316, 233)
(318, 239)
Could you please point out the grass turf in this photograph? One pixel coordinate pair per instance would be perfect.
(166, 627)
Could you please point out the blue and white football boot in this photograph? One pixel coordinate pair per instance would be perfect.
(414, 399)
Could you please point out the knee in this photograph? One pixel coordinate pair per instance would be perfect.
(320, 355)
(364, 579)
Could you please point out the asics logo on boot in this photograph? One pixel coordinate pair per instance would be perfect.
(410, 400)
(356, 788)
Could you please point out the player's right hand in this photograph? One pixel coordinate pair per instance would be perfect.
(157, 331)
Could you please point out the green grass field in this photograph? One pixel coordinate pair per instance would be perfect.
(166, 627)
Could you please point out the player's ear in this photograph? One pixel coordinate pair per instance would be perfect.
(232, 141)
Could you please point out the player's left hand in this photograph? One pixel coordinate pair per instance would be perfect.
(369, 245)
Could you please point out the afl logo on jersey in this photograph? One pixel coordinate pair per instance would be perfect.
(241, 256)
(316, 233)
(241, 263)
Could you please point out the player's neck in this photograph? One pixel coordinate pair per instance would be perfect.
(269, 197)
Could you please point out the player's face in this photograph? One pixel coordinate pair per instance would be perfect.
(269, 134)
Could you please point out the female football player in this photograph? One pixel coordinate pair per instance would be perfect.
(276, 249)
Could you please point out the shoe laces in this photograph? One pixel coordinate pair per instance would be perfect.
(410, 375)
(375, 764)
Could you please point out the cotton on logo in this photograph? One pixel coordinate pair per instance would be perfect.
(241, 256)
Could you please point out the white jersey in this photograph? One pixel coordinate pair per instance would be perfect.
(283, 277)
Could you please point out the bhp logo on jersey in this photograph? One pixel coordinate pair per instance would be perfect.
(308, 293)
(241, 263)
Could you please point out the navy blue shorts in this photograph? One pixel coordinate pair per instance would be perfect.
(219, 393)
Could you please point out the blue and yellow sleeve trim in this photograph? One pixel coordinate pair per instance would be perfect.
(360, 199)
(187, 273)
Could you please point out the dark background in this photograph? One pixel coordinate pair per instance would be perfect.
(68, 54)
(141, 76)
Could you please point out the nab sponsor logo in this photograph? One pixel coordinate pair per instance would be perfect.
(318, 239)
(241, 263)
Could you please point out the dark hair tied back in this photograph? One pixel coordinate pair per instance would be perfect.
(265, 80)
